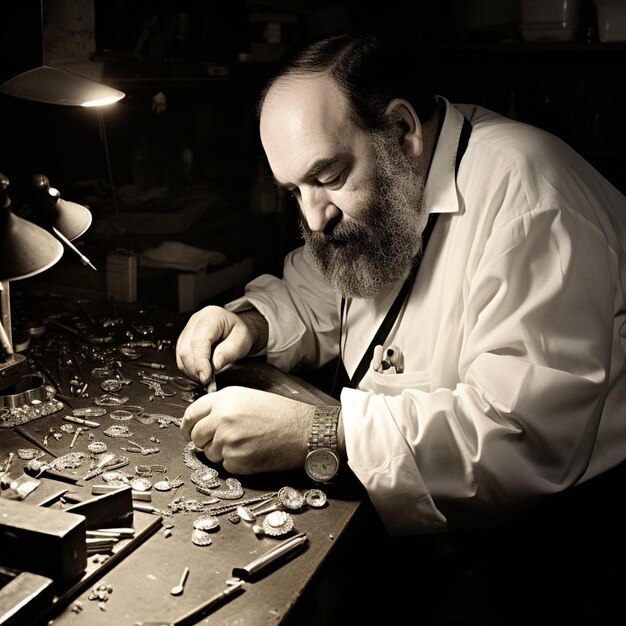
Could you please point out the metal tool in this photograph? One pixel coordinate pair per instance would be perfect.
(178, 589)
(197, 614)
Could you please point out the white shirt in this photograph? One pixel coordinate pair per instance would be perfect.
(513, 338)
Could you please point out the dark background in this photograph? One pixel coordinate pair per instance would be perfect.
(210, 58)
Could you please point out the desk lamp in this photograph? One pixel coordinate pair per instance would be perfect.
(64, 219)
(25, 250)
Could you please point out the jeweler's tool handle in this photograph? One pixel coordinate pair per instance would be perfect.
(283, 550)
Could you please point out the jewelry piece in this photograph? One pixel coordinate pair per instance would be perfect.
(106, 399)
(147, 470)
(115, 477)
(190, 458)
(89, 411)
(97, 447)
(118, 430)
(135, 447)
(28, 454)
(133, 408)
(121, 415)
(102, 372)
(206, 523)
(68, 461)
(107, 463)
(111, 384)
(233, 517)
(315, 498)
(168, 485)
(232, 506)
(17, 416)
(186, 506)
(200, 538)
(67, 428)
(145, 418)
(277, 523)
(233, 490)
(141, 484)
(205, 477)
(288, 498)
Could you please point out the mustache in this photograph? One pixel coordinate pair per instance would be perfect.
(336, 232)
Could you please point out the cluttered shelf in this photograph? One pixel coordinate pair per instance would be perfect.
(106, 453)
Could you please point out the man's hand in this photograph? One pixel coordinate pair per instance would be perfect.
(249, 431)
(213, 330)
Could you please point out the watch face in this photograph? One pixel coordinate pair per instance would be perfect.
(321, 465)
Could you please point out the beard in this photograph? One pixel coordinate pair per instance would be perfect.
(364, 257)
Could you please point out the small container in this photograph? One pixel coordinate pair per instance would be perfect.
(122, 275)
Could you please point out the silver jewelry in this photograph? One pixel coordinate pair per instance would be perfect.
(121, 415)
(315, 498)
(28, 454)
(89, 411)
(233, 490)
(107, 399)
(111, 384)
(141, 484)
(206, 523)
(118, 430)
(97, 447)
(190, 458)
(200, 538)
(277, 523)
(205, 477)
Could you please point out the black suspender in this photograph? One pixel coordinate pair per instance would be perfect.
(394, 310)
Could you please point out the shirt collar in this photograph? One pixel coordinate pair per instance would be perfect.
(440, 193)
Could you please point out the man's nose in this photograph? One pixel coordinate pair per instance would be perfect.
(317, 208)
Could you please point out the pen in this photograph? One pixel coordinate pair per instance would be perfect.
(284, 549)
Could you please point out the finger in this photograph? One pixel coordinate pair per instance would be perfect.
(233, 348)
(184, 353)
(213, 451)
(195, 412)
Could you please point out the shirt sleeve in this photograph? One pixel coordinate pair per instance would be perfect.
(301, 311)
(533, 374)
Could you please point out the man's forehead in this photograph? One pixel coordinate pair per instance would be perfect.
(305, 120)
(302, 104)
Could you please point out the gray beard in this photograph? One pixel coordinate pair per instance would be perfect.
(366, 257)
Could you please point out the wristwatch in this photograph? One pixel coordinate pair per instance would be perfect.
(322, 459)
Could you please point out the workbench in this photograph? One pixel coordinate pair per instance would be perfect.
(140, 572)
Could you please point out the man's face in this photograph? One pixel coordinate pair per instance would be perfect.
(359, 193)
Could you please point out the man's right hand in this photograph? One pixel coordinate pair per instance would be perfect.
(214, 337)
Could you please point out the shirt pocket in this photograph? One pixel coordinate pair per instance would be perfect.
(395, 384)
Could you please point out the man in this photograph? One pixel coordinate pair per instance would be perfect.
(501, 379)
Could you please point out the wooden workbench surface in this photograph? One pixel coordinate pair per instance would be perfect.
(297, 591)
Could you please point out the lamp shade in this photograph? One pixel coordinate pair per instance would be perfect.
(25, 248)
(51, 211)
(58, 86)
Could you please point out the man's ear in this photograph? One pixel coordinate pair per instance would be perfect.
(404, 120)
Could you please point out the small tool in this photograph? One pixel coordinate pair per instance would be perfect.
(178, 589)
(152, 366)
(211, 386)
(197, 614)
(20, 431)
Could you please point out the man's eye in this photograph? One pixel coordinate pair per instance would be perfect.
(335, 182)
